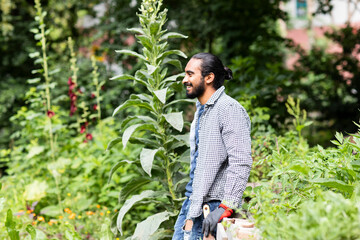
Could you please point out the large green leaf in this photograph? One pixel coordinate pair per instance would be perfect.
(147, 158)
(150, 68)
(149, 226)
(131, 53)
(136, 30)
(133, 103)
(129, 204)
(130, 130)
(132, 186)
(105, 233)
(334, 183)
(129, 119)
(172, 79)
(113, 143)
(35, 190)
(145, 41)
(170, 52)
(161, 95)
(180, 101)
(35, 150)
(173, 62)
(155, 27)
(52, 211)
(116, 167)
(300, 168)
(145, 141)
(184, 137)
(172, 35)
(176, 120)
(10, 224)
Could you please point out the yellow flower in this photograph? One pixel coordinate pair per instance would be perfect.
(79, 217)
(72, 216)
(66, 222)
(108, 212)
(40, 219)
(69, 194)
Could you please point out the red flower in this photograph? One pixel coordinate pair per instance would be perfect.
(73, 97)
(93, 95)
(70, 82)
(82, 129)
(73, 109)
(95, 107)
(103, 87)
(50, 113)
(85, 141)
(89, 136)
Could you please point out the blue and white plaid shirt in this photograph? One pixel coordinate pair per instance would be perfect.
(224, 161)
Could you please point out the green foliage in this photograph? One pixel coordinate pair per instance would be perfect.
(329, 85)
(306, 189)
(161, 144)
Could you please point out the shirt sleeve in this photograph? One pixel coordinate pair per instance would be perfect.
(236, 136)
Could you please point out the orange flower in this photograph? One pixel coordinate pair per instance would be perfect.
(89, 213)
(101, 214)
(40, 219)
(50, 223)
(67, 210)
(72, 216)
(61, 217)
(98, 206)
(34, 223)
(29, 211)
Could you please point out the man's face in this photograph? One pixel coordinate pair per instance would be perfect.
(193, 81)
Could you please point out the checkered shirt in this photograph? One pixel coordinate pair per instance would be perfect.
(224, 161)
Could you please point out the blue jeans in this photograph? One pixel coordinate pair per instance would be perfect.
(195, 233)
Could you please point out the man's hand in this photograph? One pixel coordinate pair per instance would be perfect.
(188, 225)
(210, 222)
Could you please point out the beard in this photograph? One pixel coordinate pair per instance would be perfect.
(197, 91)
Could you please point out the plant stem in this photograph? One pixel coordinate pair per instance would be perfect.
(46, 73)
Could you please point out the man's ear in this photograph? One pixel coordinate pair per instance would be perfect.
(209, 79)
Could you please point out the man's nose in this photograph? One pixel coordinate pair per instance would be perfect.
(185, 79)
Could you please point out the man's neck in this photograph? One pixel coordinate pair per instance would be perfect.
(206, 95)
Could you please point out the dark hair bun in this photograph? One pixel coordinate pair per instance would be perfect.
(228, 73)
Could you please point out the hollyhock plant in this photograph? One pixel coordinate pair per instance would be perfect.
(82, 129)
(50, 113)
(95, 107)
(89, 136)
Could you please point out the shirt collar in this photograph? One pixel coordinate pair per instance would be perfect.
(213, 97)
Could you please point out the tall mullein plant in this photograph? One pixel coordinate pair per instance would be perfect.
(158, 128)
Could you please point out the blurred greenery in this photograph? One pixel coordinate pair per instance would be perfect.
(248, 37)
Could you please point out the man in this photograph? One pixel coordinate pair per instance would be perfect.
(220, 147)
